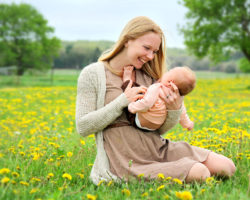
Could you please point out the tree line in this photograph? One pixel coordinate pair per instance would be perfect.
(78, 54)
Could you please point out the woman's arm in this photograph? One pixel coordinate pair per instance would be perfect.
(172, 119)
(89, 120)
(173, 102)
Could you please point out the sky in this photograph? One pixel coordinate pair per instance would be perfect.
(104, 19)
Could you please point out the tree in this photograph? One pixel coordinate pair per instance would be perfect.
(217, 28)
(25, 38)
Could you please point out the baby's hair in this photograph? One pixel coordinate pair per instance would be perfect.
(187, 81)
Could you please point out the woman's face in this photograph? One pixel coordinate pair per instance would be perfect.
(142, 49)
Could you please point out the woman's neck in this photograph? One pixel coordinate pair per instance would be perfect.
(118, 62)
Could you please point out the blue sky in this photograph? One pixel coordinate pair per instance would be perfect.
(104, 19)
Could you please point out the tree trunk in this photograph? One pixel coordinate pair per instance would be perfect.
(246, 53)
(20, 71)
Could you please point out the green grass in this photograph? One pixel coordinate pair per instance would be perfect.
(38, 137)
(68, 77)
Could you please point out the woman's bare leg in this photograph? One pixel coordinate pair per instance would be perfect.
(199, 172)
(219, 165)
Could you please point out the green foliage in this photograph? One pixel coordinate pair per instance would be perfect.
(25, 38)
(77, 54)
(217, 28)
(244, 65)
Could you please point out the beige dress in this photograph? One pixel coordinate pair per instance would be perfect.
(132, 152)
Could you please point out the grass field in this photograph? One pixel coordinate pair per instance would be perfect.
(42, 156)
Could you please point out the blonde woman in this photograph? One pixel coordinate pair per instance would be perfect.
(123, 150)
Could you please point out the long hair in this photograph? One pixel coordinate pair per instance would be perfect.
(134, 29)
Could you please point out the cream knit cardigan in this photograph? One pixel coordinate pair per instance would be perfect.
(92, 116)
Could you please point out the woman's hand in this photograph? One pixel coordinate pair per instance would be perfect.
(134, 93)
(172, 97)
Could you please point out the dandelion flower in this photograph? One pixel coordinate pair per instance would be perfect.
(4, 171)
(80, 175)
(15, 174)
(69, 154)
(24, 183)
(145, 194)
(140, 175)
(50, 175)
(185, 195)
(161, 176)
(126, 192)
(209, 180)
(176, 180)
(110, 183)
(91, 197)
(34, 190)
(67, 176)
(100, 182)
(82, 142)
(5, 180)
(160, 188)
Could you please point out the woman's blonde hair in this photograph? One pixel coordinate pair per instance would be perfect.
(133, 30)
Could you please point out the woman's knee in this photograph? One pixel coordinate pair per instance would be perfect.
(199, 172)
(219, 165)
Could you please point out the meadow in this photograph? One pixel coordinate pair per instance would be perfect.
(42, 157)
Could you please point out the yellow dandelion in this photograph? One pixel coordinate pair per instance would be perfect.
(13, 182)
(168, 178)
(209, 180)
(5, 180)
(82, 142)
(166, 196)
(178, 195)
(176, 180)
(18, 168)
(160, 187)
(185, 195)
(67, 176)
(50, 175)
(126, 192)
(203, 190)
(161, 176)
(34, 190)
(4, 171)
(80, 175)
(1, 155)
(145, 194)
(140, 175)
(100, 182)
(22, 153)
(15, 174)
(91, 197)
(24, 183)
(34, 179)
(110, 183)
(69, 154)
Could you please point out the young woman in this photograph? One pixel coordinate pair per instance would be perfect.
(123, 150)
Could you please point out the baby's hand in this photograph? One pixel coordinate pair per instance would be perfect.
(127, 73)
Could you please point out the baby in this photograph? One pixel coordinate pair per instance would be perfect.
(151, 111)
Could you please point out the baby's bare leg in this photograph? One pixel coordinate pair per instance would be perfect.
(127, 73)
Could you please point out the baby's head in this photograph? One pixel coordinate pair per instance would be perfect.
(183, 77)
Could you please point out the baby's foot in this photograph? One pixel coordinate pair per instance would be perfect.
(127, 73)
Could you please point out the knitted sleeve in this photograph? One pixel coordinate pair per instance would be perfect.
(89, 119)
(172, 119)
